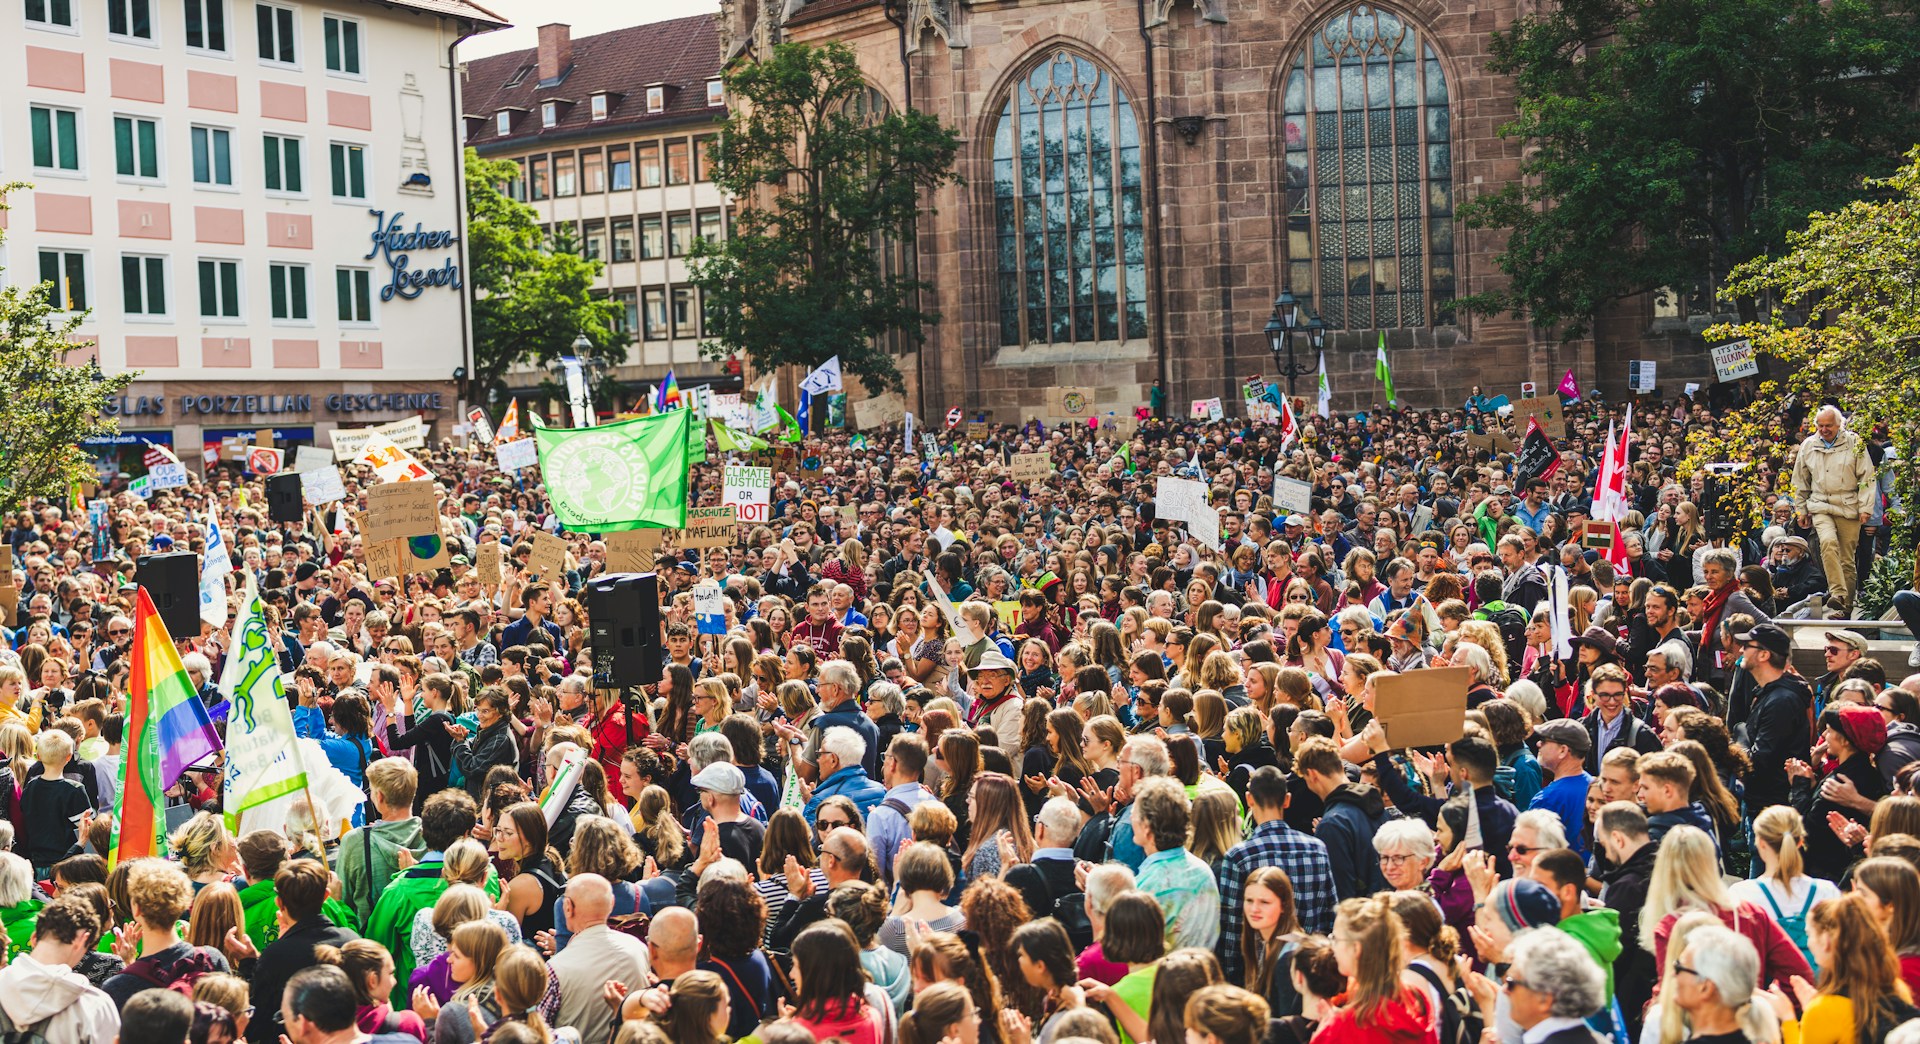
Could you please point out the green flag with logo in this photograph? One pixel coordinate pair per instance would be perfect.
(626, 475)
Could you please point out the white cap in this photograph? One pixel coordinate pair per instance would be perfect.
(721, 778)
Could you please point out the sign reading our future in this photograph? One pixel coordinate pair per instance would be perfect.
(396, 246)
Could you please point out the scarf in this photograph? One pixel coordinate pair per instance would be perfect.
(1716, 607)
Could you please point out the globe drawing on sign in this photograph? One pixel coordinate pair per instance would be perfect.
(1074, 402)
(424, 548)
(594, 476)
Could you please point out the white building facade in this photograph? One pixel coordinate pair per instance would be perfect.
(255, 203)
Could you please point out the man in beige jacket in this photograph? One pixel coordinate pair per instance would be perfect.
(1833, 483)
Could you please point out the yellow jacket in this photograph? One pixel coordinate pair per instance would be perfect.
(31, 719)
(1828, 1020)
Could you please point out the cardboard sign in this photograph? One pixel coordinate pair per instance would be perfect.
(549, 557)
(488, 564)
(1179, 499)
(1599, 535)
(633, 550)
(749, 490)
(977, 431)
(1423, 708)
(234, 447)
(520, 453)
(262, 460)
(1640, 374)
(879, 411)
(1292, 496)
(383, 558)
(1032, 467)
(709, 527)
(9, 597)
(311, 458)
(322, 485)
(399, 510)
(263, 437)
(407, 433)
(1492, 442)
(1734, 360)
(1076, 402)
(710, 609)
(1547, 408)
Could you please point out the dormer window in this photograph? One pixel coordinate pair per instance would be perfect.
(656, 99)
(549, 114)
(716, 93)
(599, 107)
(503, 122)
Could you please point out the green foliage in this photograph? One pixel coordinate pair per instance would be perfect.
(822, 187)
(530, 298)
(1890, 574)
(1858, 268)
(1670, 140)
(47, 406)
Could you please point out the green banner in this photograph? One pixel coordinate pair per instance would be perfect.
(626, 475)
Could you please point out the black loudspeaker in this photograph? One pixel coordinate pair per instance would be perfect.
(172, 580)
(285, 502)
(623, 611)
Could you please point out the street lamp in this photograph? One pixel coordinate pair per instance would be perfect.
(1287, 316)
(572, 370)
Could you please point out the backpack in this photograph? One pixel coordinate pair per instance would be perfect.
(1459, 1015)
(12, 1033)
(1796, 925)
(184, 972)
(1513, 630)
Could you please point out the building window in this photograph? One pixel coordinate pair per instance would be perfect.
(620, 168)
(50, 13)
(593, 172)
(656, 99)
(679, 162)
(653, 314)
(66, 270)
(136, 148)
(349, 168)
(711, 224)
(549, 114)
(353, 288)
(143, 284)
(56, 138)
(686, 315)
(343, 44)
(515, 188)
(597, 107)
(626, 314)
(274, 25)
(1066, 185)
(212, 156)
(653, 238)
(679, 234)
(703, 157)
(1369, 175)
(287, 286)
(563, 181)
(282, 164)
(593, 240)
(716, 92)
(219, 289)
(538, 187)
(503, 122)
(649, 164)
(623, 239)
(130, 18)
(207, 25)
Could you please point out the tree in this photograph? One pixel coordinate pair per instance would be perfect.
(1670, 140)
(531, 298)
(1857, 270)
(48, 406)
(822, 186)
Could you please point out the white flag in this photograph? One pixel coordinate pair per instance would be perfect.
(214, 567)
(824, 378)
(263, 760)
(1326, 389)
(1562, 623)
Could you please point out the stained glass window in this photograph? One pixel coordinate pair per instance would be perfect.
(1369, 175)
(1072, 255)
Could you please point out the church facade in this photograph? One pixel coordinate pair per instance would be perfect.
(1142, 179)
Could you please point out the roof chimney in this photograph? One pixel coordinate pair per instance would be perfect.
(556, 51)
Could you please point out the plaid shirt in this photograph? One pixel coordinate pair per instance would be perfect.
(1302, 856)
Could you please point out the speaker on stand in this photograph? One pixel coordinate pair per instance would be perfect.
(172, 580)
(285, 501)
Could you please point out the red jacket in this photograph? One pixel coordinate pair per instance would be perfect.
(611, 738)
(1780, 959)
(1407, 1019)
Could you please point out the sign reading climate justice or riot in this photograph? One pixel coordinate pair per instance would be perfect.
(748, 490)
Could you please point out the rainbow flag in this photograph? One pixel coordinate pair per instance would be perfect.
(669, 394)
(167, 729)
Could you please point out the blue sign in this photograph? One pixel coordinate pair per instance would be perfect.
(395, 245)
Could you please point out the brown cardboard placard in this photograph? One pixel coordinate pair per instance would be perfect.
(1547, 408)
(977, 431)
(263, 437)
(384, 558)
(9, 597)
(879, 411)
(1598, 535)
(1423, 708)
(709, 527)
(1032, 467)
(397, 510)
(424, 554)
(632, 550)
(487, 564)
(1076, 402)
(549, 557)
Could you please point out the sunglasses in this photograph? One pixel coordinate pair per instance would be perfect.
(831, 824)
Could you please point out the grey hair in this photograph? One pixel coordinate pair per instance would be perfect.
(842, 674)
(1547, 828)
(194, 661)
(727, 869)
(1677, 655)
(1722, 557)
(1728, 960)
(1528, 695)
(708, 748)
(1354, 615)
(888, 695)
(1107, 882)
(1150, 754)
(1061, 818)
(1834, 411)
(16, 879)
(1550, 961)
(842, 743)
(1405, 836)
(1477, 660)
(6, 835)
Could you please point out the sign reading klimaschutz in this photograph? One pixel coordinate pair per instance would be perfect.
(396, 246)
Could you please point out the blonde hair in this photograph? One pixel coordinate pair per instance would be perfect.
(197, 840)
(466, 863)
(519, 983)
(1686, 877)
(1216, 824)
(483, 942)
(1486, 635)
(1781, 828)
(1380, 959)
(1672, 1018)
(653, 816)
(230, 992)
(458, 905)
(722, 696)
(16, 742)
(395, 780)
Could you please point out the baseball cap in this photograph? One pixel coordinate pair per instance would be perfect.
(1567, 732)
(1853, 639)
(721, 778)
(1768, 637)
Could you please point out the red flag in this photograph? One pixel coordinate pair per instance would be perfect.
(1289, 424)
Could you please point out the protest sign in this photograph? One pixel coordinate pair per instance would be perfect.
(708, 527)
(879, 411)
(9, 596)
(488, 563)
(263, 460)
(1032, 467)
(383, 558)
(1528, 389)
(482, 427)
(632, 550)
(391, 463)
(710, 609)
(1640, 375)
(1207, 409)
(748, 489)
(549, 557)
(1734, 360)
(1545, 407)
(1599, 535)
(168, 475)
(1423, 708)
(407, 433)
(311, 458)
(1292, 496)
(1179, 499)
(1077, 402)
(399, 510)
(520, 453)
(1204, 524)
(322, 485)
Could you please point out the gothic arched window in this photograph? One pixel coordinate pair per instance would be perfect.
(1369, 173)
(1070, 227)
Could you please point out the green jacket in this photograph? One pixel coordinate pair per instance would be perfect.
(1598, 931)
(19, 920)
(263, 927)
(350, 858)
(391, 924)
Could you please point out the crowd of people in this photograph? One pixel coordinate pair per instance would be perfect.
(972, 759)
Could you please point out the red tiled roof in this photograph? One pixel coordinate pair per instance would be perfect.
(681, 53)
(461, 9)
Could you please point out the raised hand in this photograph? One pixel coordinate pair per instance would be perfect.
(423, 1005)
(238, 946)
